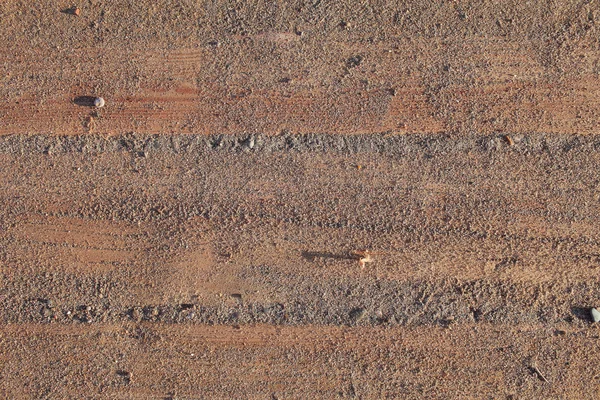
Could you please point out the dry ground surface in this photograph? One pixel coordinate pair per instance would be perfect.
(194, 238)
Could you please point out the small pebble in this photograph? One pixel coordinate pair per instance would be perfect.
(595, 315)
(99, 102)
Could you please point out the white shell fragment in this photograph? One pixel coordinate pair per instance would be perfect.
(99, 102)
(595, 315)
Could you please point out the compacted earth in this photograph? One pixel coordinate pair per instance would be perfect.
(304, 199)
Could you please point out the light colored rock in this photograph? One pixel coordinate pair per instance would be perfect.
(595, 315)
(99, 102)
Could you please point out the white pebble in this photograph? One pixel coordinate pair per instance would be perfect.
(99, 102)
(595, 315)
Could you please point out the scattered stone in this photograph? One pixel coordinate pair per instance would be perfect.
(136, 314)
(126, 375)
(595, 315)
(73, 11)
(447, 322)
(517, 138)
(354, 62)
(237, 296)
(89, 123)
(248, 144)
(99, 102)
(356, 314)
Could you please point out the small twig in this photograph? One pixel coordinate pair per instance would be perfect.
(364, 256)
(537, 371)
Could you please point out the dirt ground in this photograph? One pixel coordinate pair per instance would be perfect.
(196, 238)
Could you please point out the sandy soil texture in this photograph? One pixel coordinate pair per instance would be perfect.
(340, 67)
(201, 235)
